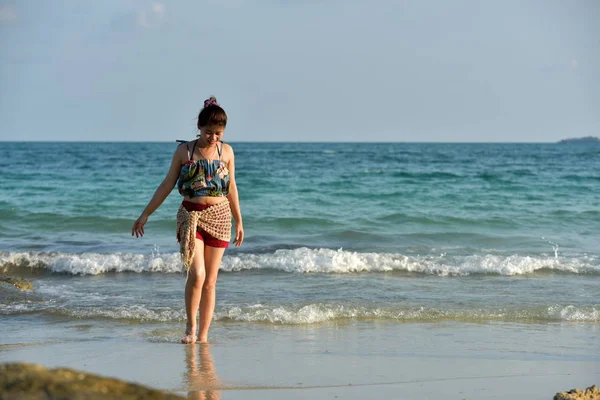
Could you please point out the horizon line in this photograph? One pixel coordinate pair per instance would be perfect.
(278, 141)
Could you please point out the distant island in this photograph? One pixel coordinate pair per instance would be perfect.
(587, 139)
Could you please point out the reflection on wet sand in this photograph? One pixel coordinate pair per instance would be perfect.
(201, 377)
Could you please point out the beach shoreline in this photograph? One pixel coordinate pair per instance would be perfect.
(352, 360)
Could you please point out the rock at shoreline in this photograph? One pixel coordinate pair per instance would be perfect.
(591, 393)
(587, 139)
(30, 381)
(22, 284)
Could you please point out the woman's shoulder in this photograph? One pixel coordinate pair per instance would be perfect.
(182, 150)
(182, 145)
(227, 147)
(227, 152)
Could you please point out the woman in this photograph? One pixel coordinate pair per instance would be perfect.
(204, 170)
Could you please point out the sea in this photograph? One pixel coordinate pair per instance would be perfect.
(335, 233)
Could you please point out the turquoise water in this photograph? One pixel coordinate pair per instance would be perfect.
(334, 231)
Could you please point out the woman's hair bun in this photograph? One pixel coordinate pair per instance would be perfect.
(212, 114)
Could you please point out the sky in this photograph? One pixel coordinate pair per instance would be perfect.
(319, 71)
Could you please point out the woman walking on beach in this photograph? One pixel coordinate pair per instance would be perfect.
(204, 171)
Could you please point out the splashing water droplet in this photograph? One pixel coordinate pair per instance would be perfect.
(554, 246)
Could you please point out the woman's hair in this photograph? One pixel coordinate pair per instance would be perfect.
(212, 114)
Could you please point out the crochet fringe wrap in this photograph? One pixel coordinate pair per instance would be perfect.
(216, 220)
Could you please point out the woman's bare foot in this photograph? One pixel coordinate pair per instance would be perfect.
(203, 339)
(190, 335)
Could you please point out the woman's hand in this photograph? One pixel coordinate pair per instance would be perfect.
(138, 226)
(239, 235)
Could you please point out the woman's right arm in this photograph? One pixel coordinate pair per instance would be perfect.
(163, 190)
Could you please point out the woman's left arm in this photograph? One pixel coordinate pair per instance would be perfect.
(234, 202)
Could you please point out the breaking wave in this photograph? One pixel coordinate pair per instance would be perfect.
(323, 313)
(302, 260)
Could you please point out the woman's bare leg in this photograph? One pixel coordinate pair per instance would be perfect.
(193, 292)
(212, 262)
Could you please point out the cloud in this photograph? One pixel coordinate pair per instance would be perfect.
(151, 17)
(574, 64)
(7, 14)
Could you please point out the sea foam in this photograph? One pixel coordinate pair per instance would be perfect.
(306, 260)
(325, 312)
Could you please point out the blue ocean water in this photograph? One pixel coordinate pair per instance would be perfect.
(396, 231)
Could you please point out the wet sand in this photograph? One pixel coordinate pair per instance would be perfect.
(356, 360)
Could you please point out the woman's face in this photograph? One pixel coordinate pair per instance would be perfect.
(212, 133)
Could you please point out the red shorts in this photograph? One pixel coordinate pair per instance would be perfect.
(201, 234)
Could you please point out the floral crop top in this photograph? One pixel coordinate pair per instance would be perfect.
(203, 177)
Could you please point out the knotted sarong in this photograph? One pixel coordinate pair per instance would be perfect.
(216, 220)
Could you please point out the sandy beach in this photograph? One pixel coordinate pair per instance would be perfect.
(346, 361)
